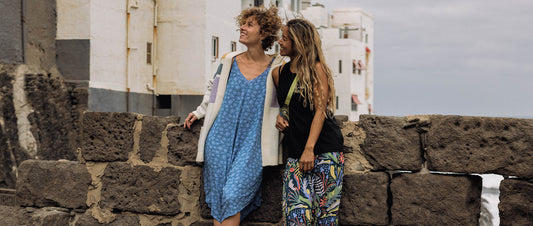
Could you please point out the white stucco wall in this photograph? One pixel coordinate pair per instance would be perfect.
(108, 44)
(347, 50)
(181, 45)
(221, 23)
(140, 33)
(185, 32)
(73, 19)
(317, 15)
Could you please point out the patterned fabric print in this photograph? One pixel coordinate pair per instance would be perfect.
(233, 167)
(313, 198)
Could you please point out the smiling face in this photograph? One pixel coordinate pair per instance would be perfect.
(250, 32)
(285, 44)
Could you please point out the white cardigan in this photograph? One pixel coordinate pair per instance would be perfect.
(212, 102)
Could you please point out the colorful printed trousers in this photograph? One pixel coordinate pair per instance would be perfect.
(313, 198)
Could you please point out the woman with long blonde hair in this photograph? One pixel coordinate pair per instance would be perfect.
(312, 181)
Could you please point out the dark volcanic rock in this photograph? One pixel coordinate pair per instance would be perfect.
(183, 144)
(364, 199)
(430, 199)
(481, 145)
(107, 137)
(140, 189)
(271, 197)
(120, 220)
(52, 183)
(390, 146)
(516, 202)
(150, 140)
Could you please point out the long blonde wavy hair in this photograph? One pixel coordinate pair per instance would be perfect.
(307, 49)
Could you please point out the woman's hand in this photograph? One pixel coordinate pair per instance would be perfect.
(281, 123)
(189, 120)
(307, 160)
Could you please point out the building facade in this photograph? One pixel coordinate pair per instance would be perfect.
(154, 57)
(348, 40)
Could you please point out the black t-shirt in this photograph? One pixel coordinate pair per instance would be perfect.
(330, 138)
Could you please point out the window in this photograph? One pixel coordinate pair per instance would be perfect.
(215, 47)
(366, 38)
(149, 53)
(340, 66)
(337, 102)
(354, 67)
(233, 46)
(354, 106)
(355, 102)
(258, 2)
(164, 102)
(277, 3)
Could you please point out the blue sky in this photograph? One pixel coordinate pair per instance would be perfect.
(452, 57)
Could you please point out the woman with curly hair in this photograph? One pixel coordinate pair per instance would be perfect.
(312, 182)
(239, 136)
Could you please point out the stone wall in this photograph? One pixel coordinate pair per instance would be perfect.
(39, 112)
(416, 170)
(39, 118)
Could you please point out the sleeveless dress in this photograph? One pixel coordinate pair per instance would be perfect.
(233, 166)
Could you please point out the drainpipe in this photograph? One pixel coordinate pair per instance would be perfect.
(23, 36)
(154, 59)
(128, 51)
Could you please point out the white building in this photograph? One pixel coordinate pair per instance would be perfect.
(154, 56)
(348, 40)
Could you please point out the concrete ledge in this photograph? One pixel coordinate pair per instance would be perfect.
(516, 202)
(52, 183)
(431, 199)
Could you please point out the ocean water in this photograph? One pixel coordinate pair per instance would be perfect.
(491, 194)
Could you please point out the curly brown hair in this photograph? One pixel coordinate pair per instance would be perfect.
(268, 20)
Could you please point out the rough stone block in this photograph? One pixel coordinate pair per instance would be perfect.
(120, 220)
(516, 202)
(9, 138)
(150, 140)
(271, 198)
(107, 137)
(431, 199)
(388, 145)
(364, 199)
(30, 216)
(52, 122)
(140, 189)
(205, 211)
(13, 215)
(183, 144)
(53, 183)
(50, 216)
(481, 145)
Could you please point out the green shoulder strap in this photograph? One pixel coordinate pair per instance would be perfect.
(291, 90)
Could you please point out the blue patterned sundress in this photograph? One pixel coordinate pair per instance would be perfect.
(233, 166)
